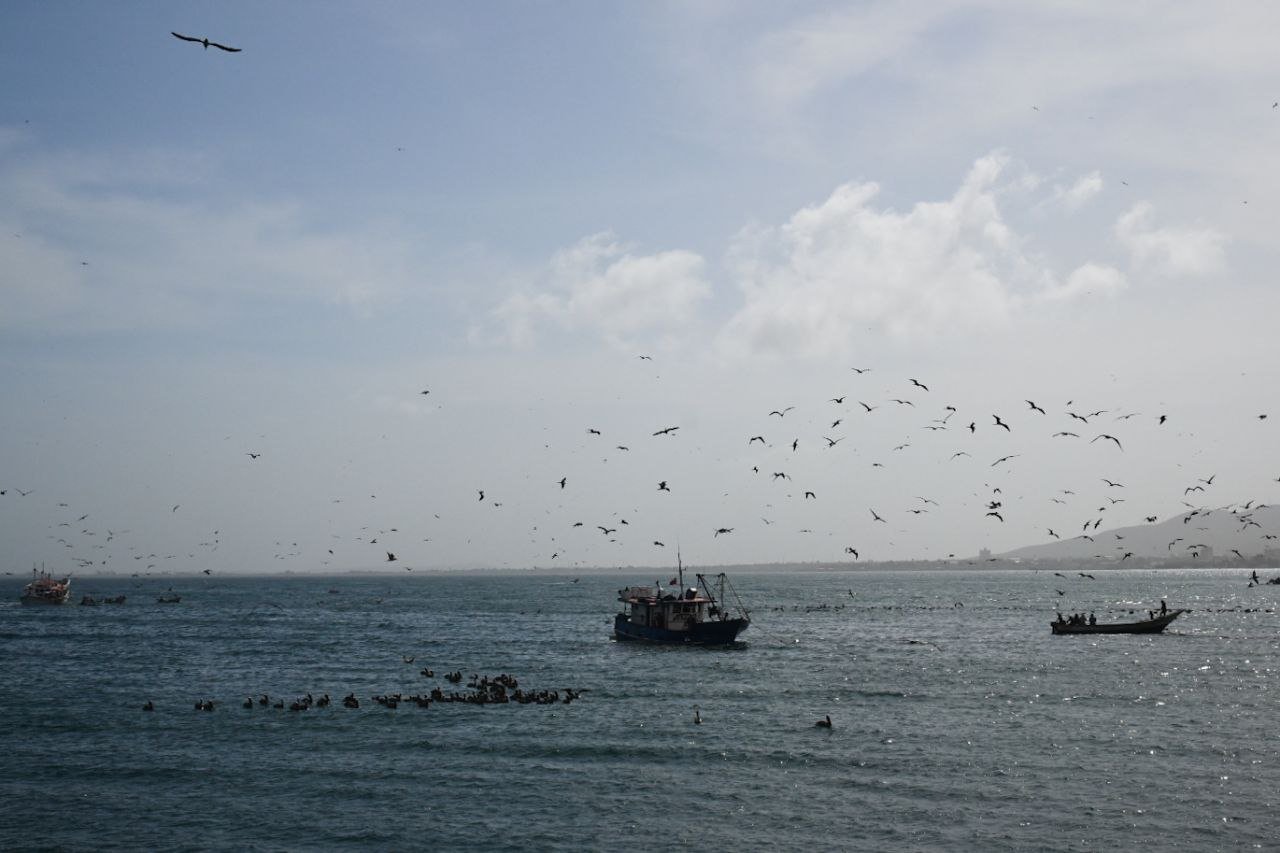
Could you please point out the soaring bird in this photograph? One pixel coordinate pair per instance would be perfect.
(562, 481)
(391, 558)
(868, 408)
(1001, 423)
(996, 514)
(723, 530)
(207, 44)
(877, 517)
(782, 412)
(1034, 406)
(1109, 438)
(606, 530)
(853, 551)
(810, 495)
(1086, 575)
(662, 486)
(919, 384)
(1005, 459)
(832, 442)
(838, 400)
(667, 431)
(759, 438)
(1113, 484)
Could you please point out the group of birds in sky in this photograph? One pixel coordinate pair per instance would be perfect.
(770, 447)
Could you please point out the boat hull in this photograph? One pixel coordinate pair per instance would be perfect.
(714, 633)
(1146, 626)
(36, 599)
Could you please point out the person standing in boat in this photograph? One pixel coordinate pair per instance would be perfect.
(1093, 620)
(1164, 608)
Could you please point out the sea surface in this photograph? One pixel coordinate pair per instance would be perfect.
(959, 722)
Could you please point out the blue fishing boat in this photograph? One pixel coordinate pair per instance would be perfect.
(676, 614)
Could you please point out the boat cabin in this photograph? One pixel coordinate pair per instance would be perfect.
(652, 607)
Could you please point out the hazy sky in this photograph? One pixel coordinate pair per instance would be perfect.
(205, 255)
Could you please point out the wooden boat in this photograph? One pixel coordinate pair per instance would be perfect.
(1144, 626)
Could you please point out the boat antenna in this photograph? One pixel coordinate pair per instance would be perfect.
(680, 568)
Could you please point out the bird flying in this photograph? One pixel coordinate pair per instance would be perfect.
(207, 44)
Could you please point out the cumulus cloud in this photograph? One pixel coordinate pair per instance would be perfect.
(600, 286)
(839, 268)
(1075, 196)
(1169, 251)
(1088, 279)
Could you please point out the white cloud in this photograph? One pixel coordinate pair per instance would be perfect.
(1169, 251)
(840, 268)
(1087, 280)
(1079, 193)
(114, 249)
(599, 286)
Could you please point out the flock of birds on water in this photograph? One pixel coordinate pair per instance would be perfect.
(502, 689)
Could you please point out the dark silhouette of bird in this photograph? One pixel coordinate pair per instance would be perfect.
(959, 453)
(645, 357)
(667, 430)
(838, 400)
(1065, 433)
(1113, 484)
(1005, 459)
(794, 445)
(662, 486)
(904, 402)
(876, 516)
(1001, 423)
(808, 495)
(593, 431)
(563, 480)
(853, 551)
(759, 438)
(1055, 536)
(918, 384)
(606, 530)
(1109, 438)
(1086, 575)
(973, 427)
(1151, 519)
(824, 723)
(723, 530)
(782, 412)
(253, 455)
(1162, 419)
(1237, 553)
(996, 514)
(207, 44)
(832, 442)
(860, 370)
(836, 423)
(1035, 407)
(481, 491)
(391, 558)
(868, 408)
(659, 544)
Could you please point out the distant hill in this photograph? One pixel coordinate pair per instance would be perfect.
(1209, 532)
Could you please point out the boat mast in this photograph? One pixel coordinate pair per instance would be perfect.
(680, 568)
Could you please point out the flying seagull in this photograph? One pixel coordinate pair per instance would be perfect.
(207, 44)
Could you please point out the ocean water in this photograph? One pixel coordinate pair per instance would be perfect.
(960, 723)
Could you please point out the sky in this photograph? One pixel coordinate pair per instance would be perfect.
(378, 282)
